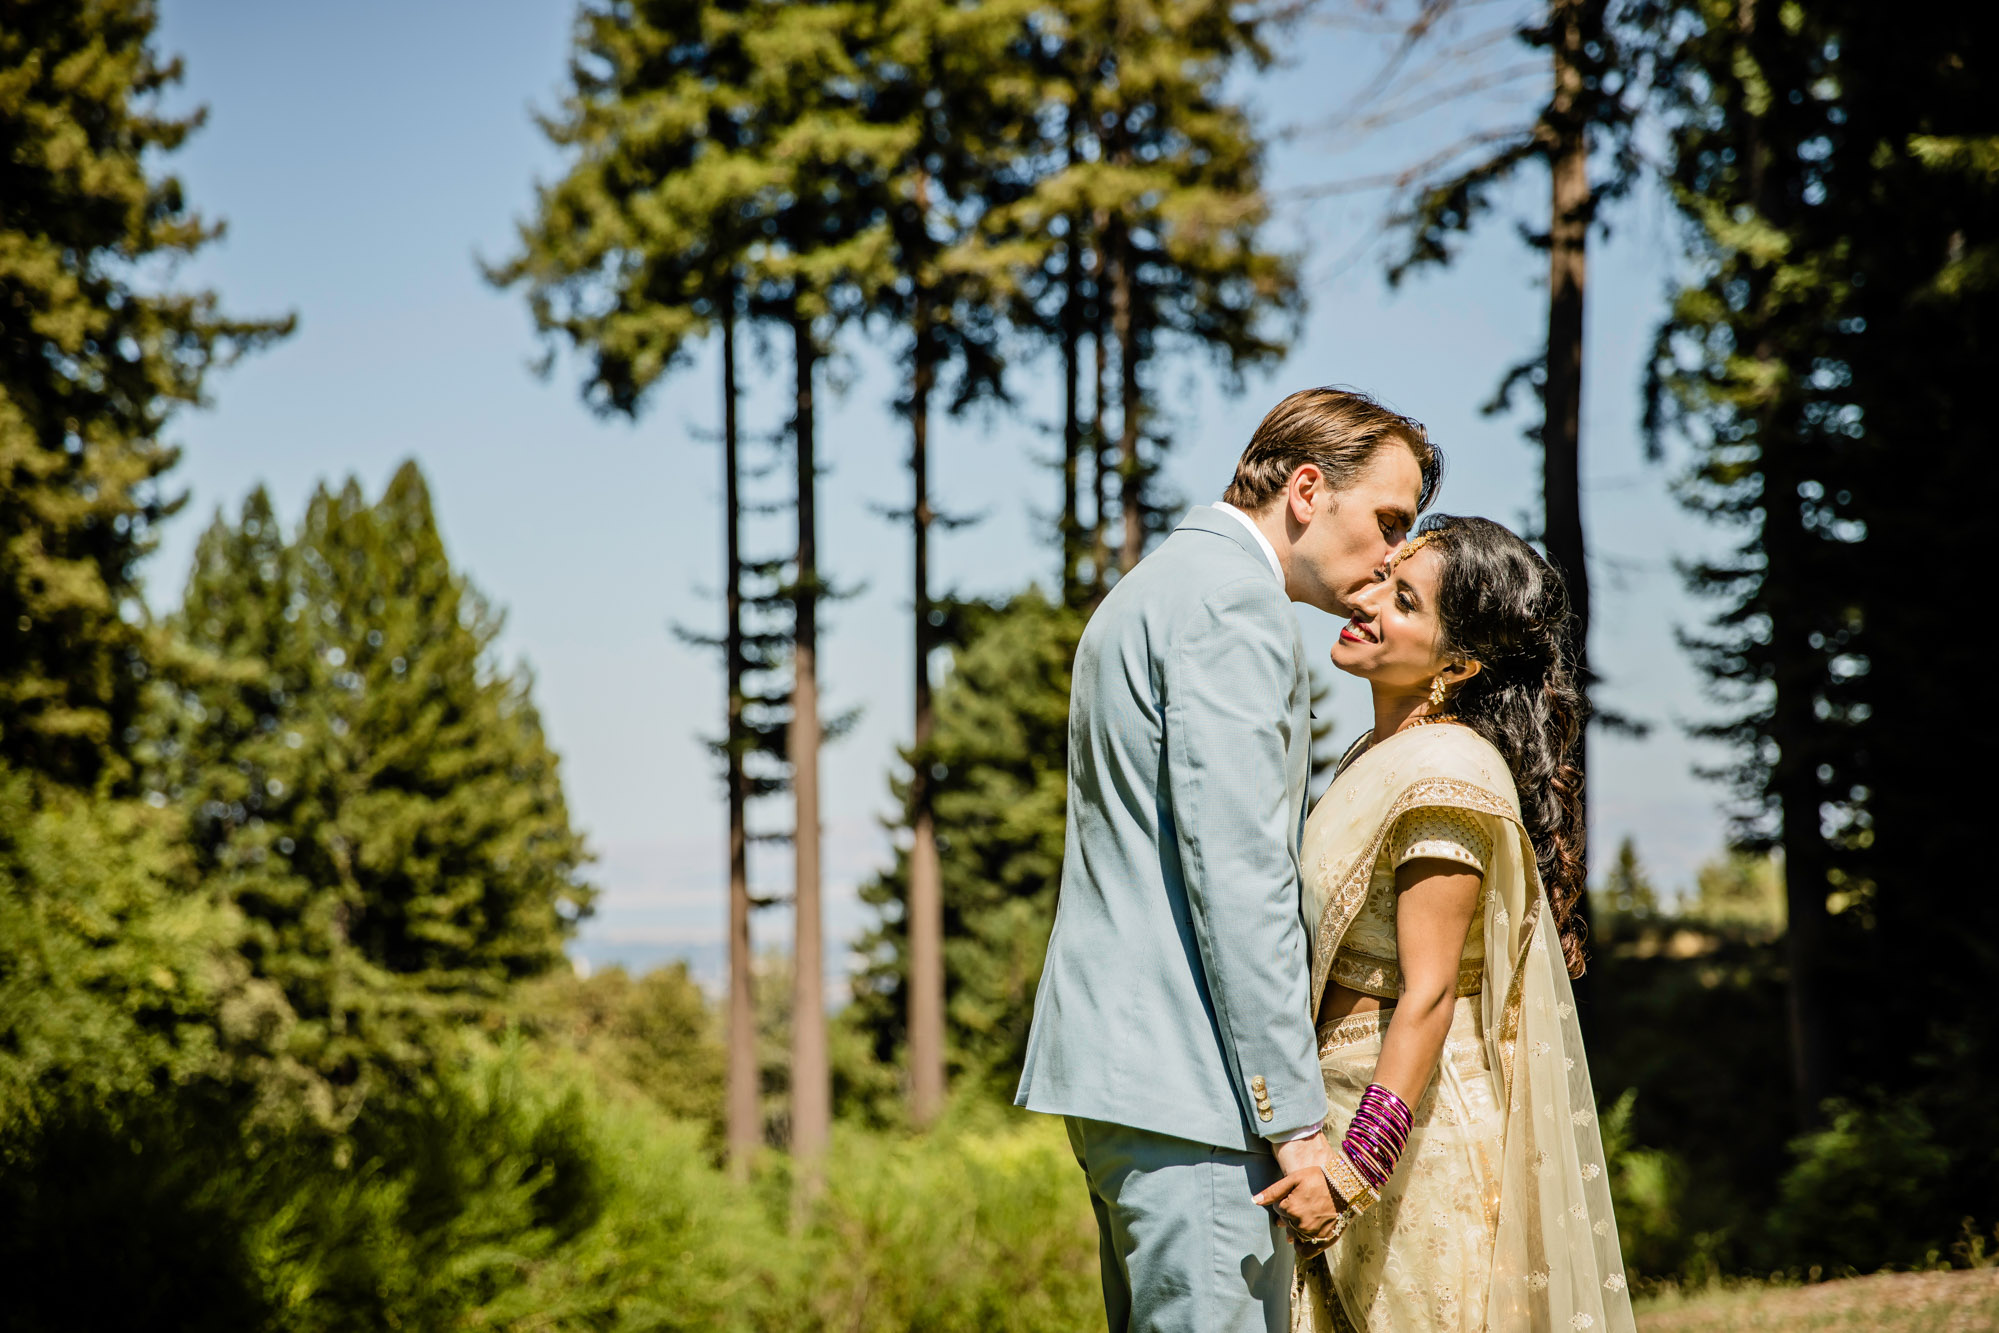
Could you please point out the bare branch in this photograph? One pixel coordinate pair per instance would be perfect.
(1409, 176)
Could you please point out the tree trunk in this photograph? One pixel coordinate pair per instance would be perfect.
(1793, 718)
(744, 1120)
(811, 1076)
(1571, 21)
(1072, 347)
(1567, 255)
(1131, 499)
(1071, 523)
(1793, 725)
(926, 891)
(1100, 474)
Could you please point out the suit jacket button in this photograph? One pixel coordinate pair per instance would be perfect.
(1257, 1083)
(1264, 1112)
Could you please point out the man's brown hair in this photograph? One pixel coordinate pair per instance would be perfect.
(1336, 430)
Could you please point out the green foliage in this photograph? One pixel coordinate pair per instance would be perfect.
(963, 1230)
(98, 355)
(1861, 1193)
(1625, 898)
(1741, 889)
(1694, 1011)
(1645, 1188)
(494, 1196)
(1163, 168)
(714, 149)
(362, 780)
(1144, 217)
(653, 1035)
(998, 760)
(507, 1193)
(118, 971)
(1692, 1024)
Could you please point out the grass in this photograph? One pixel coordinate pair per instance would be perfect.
(1942, 1302)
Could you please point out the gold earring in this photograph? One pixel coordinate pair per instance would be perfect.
(1438, 691)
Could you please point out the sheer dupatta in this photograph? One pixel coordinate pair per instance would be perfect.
(1556, 1264)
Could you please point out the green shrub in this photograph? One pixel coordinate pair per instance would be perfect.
(971, 1230)
(1645, 1188)
(117, 975)
(653, 1035)
(1861, 1192)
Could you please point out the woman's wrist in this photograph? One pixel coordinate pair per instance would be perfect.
(1346, 1183)
(1377, 1135)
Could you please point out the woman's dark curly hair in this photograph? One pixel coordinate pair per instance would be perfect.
(1505, 607)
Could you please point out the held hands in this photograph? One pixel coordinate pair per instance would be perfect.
(1304, 1199)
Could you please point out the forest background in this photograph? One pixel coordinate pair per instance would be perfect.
(289, 872)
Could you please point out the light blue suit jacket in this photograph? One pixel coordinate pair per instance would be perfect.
(1174, 997)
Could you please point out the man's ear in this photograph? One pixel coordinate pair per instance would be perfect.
(1305, 493)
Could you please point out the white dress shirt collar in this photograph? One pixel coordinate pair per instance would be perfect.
(1263, 542)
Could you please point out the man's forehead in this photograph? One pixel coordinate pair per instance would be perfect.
(1392, 477)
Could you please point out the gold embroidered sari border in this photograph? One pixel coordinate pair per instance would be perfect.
(1509, 1015)
(1354, 1029)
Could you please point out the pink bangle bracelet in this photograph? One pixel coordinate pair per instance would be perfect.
(1377, 1135)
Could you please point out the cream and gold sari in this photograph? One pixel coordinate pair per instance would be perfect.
(1498, 1216)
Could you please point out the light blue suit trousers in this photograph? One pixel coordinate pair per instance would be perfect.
(1180, 1246)
(1171, 1022)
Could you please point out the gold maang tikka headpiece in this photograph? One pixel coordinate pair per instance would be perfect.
(1410, 547)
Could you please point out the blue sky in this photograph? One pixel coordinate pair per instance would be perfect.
(365, 155)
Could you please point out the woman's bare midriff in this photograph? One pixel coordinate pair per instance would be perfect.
(1339, 1002)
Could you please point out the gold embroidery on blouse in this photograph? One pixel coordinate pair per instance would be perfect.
(1442, 831)
(1382, 977)
(1345, 900)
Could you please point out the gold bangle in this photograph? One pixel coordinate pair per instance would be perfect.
(1345, 1182)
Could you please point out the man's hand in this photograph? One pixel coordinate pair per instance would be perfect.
(1303, 1200)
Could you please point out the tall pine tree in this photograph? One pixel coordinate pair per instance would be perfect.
(932, 70)
(724, 154)
(1835, 169)
(371, 787)
(823, 233)
(93, 361)
(638, 251)
(1148, 221)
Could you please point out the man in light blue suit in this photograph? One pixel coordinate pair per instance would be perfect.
(1171, 1027)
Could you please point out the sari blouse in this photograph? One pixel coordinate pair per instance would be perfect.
(1365, 959)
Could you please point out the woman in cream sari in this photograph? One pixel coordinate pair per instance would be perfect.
(1441, 871)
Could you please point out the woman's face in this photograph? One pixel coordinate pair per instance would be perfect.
(1392, 639)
